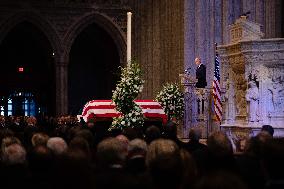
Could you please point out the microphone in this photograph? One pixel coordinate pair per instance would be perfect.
(187, 71)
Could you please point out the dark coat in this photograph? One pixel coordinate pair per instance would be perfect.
(201, 76)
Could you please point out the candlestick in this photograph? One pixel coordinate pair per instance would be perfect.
(129, 14)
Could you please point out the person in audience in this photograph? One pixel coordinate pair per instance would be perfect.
(189, 169)
(30, 159)
(250, 162)
(7, 141)
(272, 159)
(193, 144)
(170, 132)
(220, 148)
(218, 156)
(137, 150)
(110, 160)
(79, 143)
(268, 128)
(123, 139)
(13, 154)
(152, 133)
(42, 168)
(87, 135)
(16, 125)
(111, 153)
(165, 164)
(39, 139)
(14, 171)
(57, 145)
(2, 122)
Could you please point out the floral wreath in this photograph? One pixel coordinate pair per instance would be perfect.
(127, 90)
(171, 99)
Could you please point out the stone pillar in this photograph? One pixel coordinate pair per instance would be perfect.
(61, 71)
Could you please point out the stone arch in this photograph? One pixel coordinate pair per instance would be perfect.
(104, 22)
(37, 20)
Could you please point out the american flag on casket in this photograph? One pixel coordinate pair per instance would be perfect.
(106, 109)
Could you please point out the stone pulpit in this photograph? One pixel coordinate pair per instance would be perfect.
(197, 108)
(252, 80)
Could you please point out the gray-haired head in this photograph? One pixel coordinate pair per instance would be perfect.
(57, 145)
(111, 151)
(14, 154)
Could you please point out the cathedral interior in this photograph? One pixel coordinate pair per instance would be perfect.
(69, 51)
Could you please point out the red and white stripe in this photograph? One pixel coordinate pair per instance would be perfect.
(106, 109)
(217, 99)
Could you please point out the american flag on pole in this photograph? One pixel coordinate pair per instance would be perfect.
(217, 90)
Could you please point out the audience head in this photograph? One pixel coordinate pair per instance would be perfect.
(14, 154)
(268, 128)
(171, 130)
(39, 139)
(219, 144)
(194, 134)
(7, 141)
(87, 135)
(164, 163)
(40, 158)
(123, 139)
(111, 152)
(57, 145)
(80, 143)
(137, 148)
(152, 133)
(255, 145)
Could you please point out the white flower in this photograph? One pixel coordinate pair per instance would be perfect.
(123, 123)
(134, 120)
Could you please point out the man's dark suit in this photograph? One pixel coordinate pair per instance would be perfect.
(201, 76)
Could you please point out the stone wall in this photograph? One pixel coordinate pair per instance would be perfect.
(158, 42)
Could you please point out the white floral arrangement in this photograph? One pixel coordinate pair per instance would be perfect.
(171, 99)
(127, 90)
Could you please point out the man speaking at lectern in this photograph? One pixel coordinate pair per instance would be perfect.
(200, 74)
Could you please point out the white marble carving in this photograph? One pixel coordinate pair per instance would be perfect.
(253, 70)
(252, 97)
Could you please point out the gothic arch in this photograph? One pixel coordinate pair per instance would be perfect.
(104, 22)
(37, 20)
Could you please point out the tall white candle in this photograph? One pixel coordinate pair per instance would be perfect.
(129, 14)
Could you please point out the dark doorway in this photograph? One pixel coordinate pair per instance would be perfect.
(27, 72)
(93, 69)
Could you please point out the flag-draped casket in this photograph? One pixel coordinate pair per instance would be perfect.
(105, 109)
